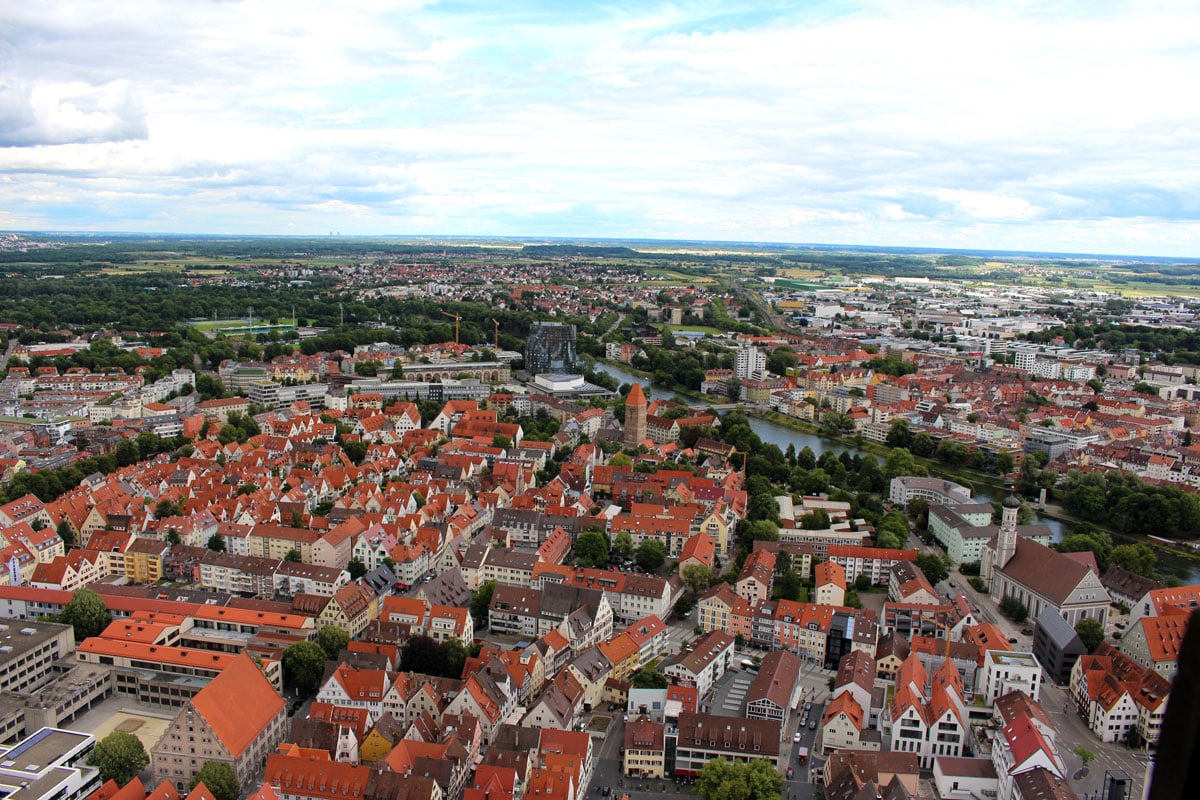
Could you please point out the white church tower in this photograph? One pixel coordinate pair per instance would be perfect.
(997, 556)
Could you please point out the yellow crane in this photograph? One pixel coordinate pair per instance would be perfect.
(497, 334)
(457, 319)
(945, 626)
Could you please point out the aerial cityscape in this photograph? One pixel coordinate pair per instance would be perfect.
(317, 518)
(452, 401)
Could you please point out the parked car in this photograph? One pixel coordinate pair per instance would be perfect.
(1120, 626)
(953, 585)
(1012, 640)
(797, 737)
(812, 724)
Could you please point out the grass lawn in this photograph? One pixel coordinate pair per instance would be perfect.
(696, 329)
(222, 324)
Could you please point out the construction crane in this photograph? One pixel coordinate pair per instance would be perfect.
(497, 334)
(457, 319)
(945, 626)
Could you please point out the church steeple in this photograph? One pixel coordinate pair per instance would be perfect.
(1006, 540)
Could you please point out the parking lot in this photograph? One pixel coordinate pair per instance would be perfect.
(729, 698)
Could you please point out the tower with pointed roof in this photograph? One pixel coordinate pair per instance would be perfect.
(1006, 539)
(635, 416)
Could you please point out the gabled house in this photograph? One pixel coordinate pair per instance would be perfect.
(211, 727)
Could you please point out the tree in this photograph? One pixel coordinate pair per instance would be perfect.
(356, 451)
(1137, 558)
(457, 654)
(303, 666)
(591, 549)
(862, 583)
(216, 543)
(422, 654)
(651, 554)
(934, 568)
(219, 779)
(815, 520)
(900, 462)
(649, 678)
(787, 586)
(697, 577)
(119, 757)
(332, 640)
(1134, 738)
(173, 536)
(356, 568)
(1088, 538)
(293, 556)
(622, 544)
(86, 613)
(729, 780)
(481, 600)
(1013, 608)
(66, 532)
(888, 540)
(1091, 633)
(1085, 755)
(918, 509)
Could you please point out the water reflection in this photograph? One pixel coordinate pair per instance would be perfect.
(1185, 569)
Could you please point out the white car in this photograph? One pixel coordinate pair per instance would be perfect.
(797, 737)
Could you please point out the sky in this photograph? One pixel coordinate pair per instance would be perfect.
(1018, 125)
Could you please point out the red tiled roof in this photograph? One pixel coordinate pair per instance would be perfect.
(238, 724)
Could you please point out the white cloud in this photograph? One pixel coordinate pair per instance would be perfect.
(988, 125)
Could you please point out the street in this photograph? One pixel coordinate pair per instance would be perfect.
(1073, 733)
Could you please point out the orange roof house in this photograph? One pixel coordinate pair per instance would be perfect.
(237, 719)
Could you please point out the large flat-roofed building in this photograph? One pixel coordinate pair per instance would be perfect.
(28, 650)
(1056, 645)
(49, 765)
(42, 685)
(936, 490)
(550, 348)
(703, 737)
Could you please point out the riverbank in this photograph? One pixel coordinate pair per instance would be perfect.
(778, 429)
(971, 478)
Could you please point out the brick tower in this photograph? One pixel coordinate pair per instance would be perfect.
(635, 416)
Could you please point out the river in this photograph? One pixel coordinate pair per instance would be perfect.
(1186, 569)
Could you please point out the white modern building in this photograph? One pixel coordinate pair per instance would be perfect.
(1007, 671)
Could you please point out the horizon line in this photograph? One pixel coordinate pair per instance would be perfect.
(536, 238)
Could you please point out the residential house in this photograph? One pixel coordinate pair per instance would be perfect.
(1116, 695)
(710, 657)
(645, 749)
(776, 688)
(1154, 642)
(704, 737)
(830, 584)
